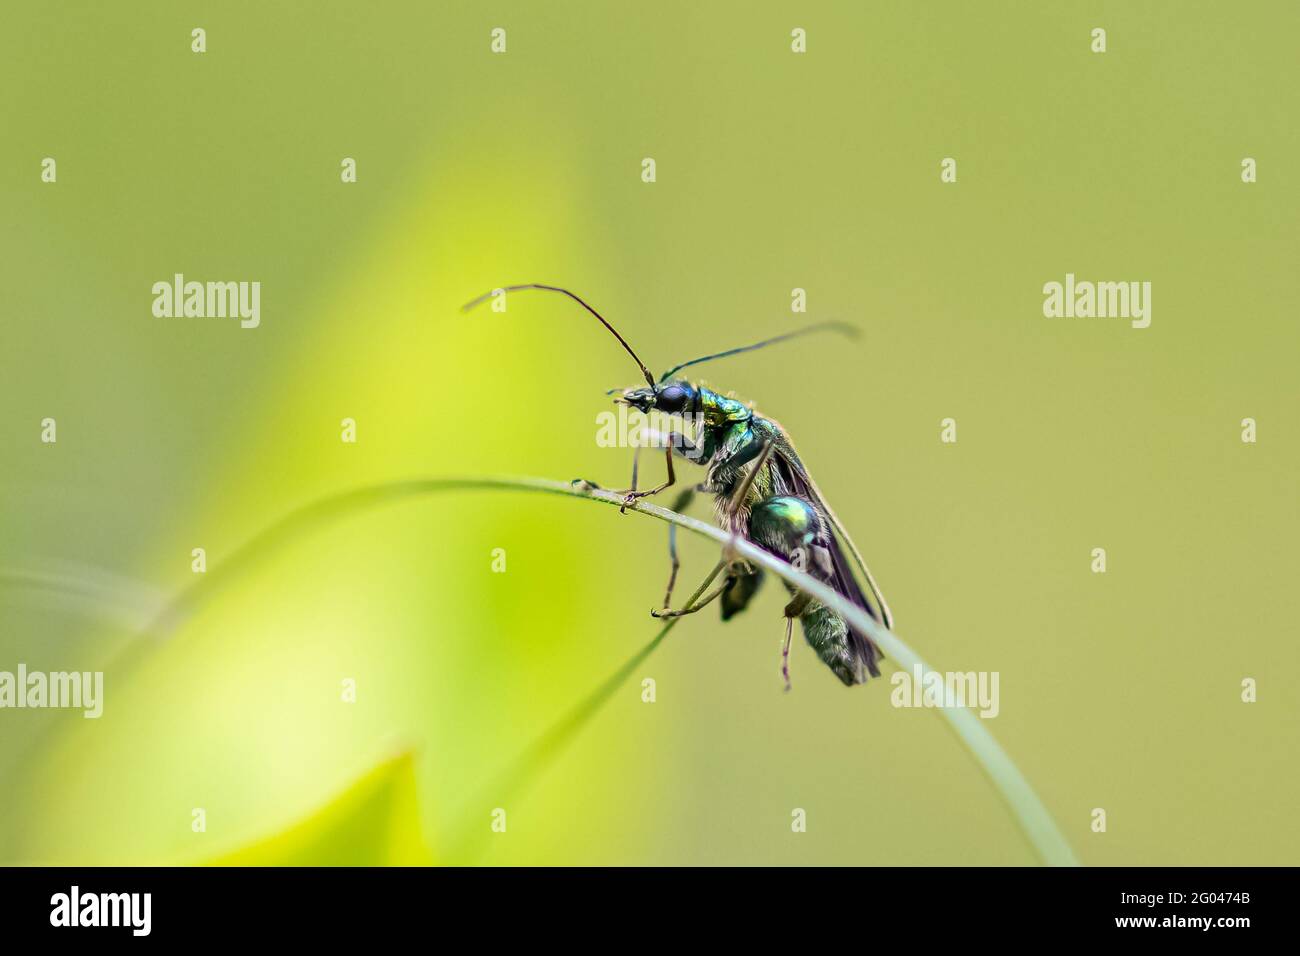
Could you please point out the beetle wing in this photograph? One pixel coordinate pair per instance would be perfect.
(790, 477)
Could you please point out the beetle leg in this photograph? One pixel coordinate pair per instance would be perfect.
(785, 652)
(683, 500)
(699, 605)
(691, 608)
(632, 495)
(738, 499)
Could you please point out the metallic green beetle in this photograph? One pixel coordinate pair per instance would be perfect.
(763, 492)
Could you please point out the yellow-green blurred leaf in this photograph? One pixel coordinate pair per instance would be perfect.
(374, 822)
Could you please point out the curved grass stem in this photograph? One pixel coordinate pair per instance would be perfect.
(1026, 807)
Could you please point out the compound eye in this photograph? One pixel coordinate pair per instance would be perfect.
(672, 399)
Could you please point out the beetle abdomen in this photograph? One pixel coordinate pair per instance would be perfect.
(828, 634)
(792, 528)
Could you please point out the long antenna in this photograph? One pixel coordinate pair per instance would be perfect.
(551, 288)
(842, 327)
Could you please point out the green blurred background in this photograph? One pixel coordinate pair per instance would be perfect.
(775, 171)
